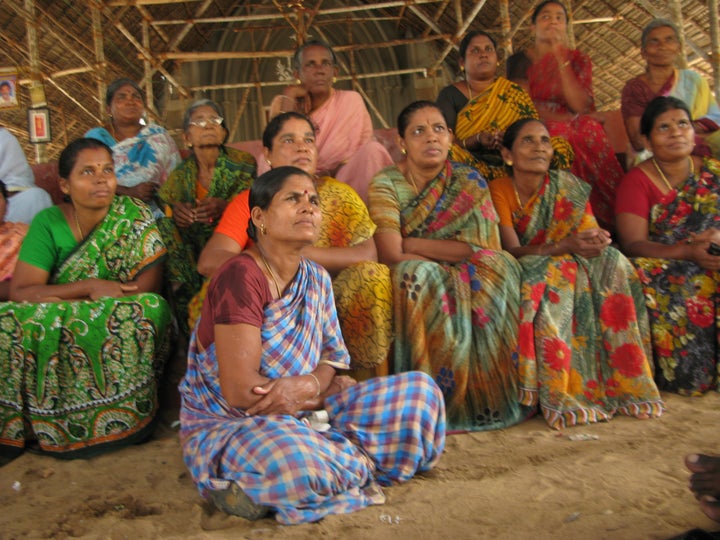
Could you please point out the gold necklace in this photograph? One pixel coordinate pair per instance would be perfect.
(77, 222)
(664, 178)
(272, 274)
(517, 214)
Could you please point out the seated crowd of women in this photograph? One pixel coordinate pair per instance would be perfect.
(478, 287)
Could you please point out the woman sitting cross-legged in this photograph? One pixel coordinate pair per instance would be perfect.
(584, 351)
(668, 214)
(85, 336)
(456, 291)
(344, 247)
(195, 196)
(265, 353)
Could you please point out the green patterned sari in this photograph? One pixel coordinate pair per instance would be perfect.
(234, 172)
(456, 322)
(81, 376)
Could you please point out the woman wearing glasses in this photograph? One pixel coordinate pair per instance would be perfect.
(195, 196)
(144, 153)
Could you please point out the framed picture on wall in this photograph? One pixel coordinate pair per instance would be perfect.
(8, 90)
(39, 125)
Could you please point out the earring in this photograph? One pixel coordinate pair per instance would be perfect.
(403, 151)
(334, 80)
(189, 145)
(268, 162)
(509, 163)
(298, 81)
(263, 229)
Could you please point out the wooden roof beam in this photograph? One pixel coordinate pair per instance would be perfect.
(267, 84)
(240, 55)
(75, 101)
(281, 16)
(461, 31)
(147, 55)
(117, 3)
(47, 25)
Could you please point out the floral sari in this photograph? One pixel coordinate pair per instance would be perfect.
(682, 298)
(456, 322)
(81, 376)
(150, 156)
(584, 351)
(233, 173)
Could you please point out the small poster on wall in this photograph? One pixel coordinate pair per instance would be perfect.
(39, 125)
(8, 90)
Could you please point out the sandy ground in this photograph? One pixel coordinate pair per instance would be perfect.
(626, 480)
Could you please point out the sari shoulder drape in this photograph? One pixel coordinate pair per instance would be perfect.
(120, 247)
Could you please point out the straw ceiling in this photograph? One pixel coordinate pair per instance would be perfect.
(236, 52)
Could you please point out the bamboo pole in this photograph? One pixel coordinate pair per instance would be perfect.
(570, 25)
(715, 38)
(148, 71)
(37, 92)
(239, 55)
(461, 31)
(677, 18)
(75, 101)
(147, 54)
(505, 41)
(370, 6)
(267, 84)
(100, 63)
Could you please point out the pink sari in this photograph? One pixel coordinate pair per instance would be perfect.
(346, 148)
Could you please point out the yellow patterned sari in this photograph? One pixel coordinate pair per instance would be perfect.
(501, 104)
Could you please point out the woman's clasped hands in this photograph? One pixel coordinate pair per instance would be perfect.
(291, 395)
(588, 243)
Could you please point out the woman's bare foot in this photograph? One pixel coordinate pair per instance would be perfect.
(705, 482)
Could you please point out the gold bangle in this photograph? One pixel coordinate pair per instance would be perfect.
(317, 382)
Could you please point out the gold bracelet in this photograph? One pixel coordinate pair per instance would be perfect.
(316, 382)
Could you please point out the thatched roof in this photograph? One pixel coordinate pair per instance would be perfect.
(237, 52)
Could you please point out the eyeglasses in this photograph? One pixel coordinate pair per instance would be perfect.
(214, 121)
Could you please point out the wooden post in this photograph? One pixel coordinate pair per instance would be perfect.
(505, 41)
(101, 65)
(570, 26)
(37, 90)
(149, 94)
(677, 18)
(715, 56)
